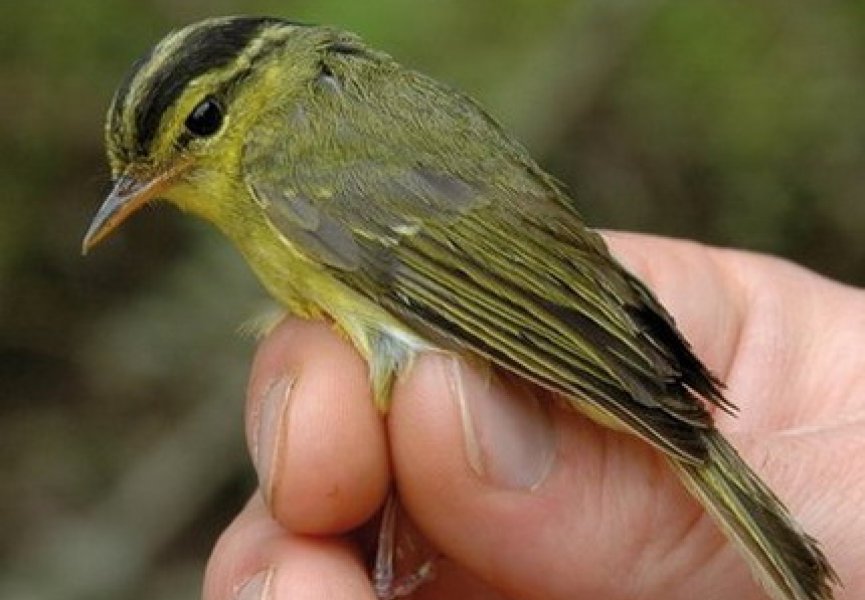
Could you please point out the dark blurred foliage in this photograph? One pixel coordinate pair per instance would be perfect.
(735, 122)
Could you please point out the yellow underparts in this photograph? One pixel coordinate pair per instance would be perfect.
(309, 290)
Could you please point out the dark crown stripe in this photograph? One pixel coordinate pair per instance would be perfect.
(208, 47)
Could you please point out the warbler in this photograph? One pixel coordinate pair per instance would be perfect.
(372, 195)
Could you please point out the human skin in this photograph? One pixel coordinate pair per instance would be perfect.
(528, 500)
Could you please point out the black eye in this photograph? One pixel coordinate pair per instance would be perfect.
(205, 119)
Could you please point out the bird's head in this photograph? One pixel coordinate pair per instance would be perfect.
(178, 122)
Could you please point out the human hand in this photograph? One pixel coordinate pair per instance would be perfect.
(527, 500)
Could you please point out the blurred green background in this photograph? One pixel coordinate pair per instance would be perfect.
(122, 377)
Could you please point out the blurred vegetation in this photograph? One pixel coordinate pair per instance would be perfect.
(734, 122)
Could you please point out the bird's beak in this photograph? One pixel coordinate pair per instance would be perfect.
(130, 192)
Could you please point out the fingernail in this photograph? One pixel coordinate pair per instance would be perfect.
(273, 418)
(257, 587)
(508, 432)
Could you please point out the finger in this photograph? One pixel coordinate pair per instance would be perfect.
(317, 442)
(543, 503)
(256, 558)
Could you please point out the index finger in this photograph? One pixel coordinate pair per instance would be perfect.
(317, 440)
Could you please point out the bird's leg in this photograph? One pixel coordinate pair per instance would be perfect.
(388, 353)
(387, 586)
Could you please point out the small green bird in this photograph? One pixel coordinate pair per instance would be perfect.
(366, 192)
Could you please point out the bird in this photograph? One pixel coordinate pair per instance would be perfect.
(395, 206)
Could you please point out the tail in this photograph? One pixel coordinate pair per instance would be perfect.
(786, 560)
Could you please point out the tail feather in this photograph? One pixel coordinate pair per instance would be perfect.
(785, 559)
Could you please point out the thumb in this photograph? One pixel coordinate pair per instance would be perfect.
(543, 503)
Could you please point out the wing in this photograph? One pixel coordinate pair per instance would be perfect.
(479, 251)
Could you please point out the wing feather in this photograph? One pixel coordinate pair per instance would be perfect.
(555, 345)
